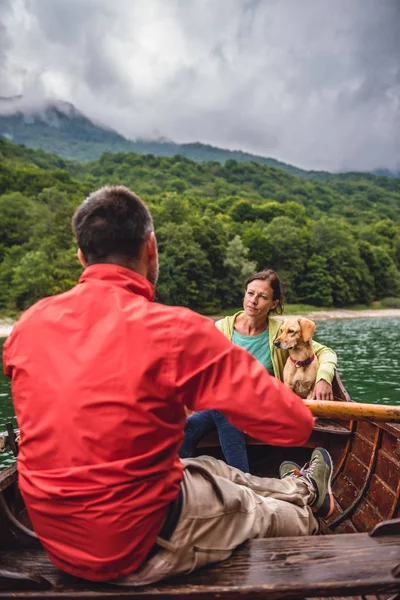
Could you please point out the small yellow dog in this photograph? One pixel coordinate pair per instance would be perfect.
(301, 367)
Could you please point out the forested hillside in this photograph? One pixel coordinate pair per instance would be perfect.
(334, 243)
(65, 131)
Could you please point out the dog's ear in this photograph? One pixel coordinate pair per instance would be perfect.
(307, 329)
(283, 325)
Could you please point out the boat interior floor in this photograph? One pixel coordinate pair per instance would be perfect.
(296, 567)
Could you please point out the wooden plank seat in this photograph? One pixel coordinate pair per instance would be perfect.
(319, 566)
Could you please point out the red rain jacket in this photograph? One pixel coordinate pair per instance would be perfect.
(100, 376)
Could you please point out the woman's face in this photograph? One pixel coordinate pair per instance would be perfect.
(258, 300)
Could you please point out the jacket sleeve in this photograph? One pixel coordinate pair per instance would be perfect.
(327, 362)
(213, 373)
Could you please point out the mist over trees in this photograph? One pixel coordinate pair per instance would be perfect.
(334, 242)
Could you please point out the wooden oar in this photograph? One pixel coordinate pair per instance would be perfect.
(353, 411)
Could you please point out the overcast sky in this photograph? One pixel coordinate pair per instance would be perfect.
(315, 83)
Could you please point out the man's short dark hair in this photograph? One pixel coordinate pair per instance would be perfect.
(113, 221)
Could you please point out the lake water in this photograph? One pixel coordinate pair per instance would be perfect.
(368, 362)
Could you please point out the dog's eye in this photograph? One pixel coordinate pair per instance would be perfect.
(290, 330)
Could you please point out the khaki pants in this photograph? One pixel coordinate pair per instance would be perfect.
(222, 508)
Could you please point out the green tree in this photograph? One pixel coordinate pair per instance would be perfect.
(238, 270)
(317, 285)
(16, 220)
(186, 276)
(386, 280)
(243, 210)
(173, 208)
(12, 257)
(269, 210)
(260, 247)
(289, 245)
(31, 279)
(333, 240)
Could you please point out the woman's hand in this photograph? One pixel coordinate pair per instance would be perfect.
(322, 391)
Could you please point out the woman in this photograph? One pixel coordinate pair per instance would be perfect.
(255, 329)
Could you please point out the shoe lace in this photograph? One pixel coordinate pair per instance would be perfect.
(308, 473)
(294, 473)
(309, 470)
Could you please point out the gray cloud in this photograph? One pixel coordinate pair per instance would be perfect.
(313, 83)
(5, 49)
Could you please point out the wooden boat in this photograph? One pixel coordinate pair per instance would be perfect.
(363, 560)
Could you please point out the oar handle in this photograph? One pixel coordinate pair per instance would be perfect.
(356, 411)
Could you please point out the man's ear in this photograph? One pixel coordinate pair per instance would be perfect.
(151, 246)
(81, 258)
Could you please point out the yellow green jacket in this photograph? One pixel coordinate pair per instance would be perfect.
(326, 357)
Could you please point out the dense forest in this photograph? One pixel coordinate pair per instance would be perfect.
(334, 242)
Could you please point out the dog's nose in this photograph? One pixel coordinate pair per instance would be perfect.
(277, 343)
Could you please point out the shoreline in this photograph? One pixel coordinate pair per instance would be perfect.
(7, 324)
(353, 314)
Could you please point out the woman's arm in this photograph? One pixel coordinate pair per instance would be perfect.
(327, 365)
(327, 362)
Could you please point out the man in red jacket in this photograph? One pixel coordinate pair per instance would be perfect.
(100, 378)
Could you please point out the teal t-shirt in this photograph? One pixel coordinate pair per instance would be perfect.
(258, 346)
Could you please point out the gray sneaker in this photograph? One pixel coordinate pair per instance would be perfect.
(319, 472)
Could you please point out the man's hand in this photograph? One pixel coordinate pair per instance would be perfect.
(322, 391)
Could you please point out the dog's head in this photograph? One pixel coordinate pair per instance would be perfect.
(294, 331)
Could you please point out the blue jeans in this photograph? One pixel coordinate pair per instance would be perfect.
(231, 439)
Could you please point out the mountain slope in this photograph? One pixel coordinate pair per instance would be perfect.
(59, 128)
